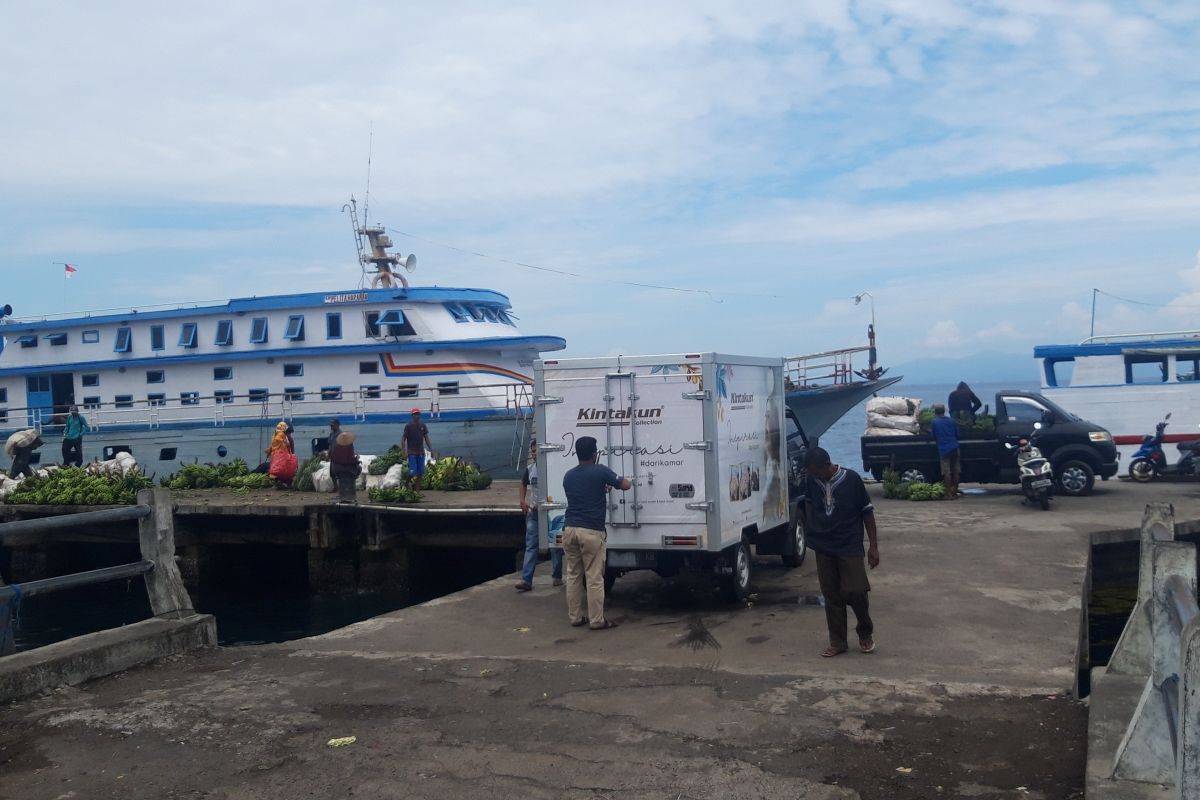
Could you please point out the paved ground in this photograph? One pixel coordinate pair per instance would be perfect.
(489, 693)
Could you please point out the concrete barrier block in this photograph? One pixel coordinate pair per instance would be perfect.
(1132, 653)
(96, 655)
(1187, 759)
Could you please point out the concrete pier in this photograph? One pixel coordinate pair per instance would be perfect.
(490, 693)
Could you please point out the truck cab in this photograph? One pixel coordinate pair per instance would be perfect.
(1079, 450)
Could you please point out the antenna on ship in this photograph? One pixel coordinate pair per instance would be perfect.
(375, 252)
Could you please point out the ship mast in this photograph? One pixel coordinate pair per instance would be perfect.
(385, 274)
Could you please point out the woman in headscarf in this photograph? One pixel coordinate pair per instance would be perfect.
(279, 441)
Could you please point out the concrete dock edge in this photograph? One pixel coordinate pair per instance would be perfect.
(96, 655)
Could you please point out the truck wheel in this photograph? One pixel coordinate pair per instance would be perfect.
(736, 587)
(610, 578)
(794, 550)
(912, 474)
(1076, 478)
(1141, 469)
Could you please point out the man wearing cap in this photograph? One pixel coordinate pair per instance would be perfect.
(72, 445)
(528, 496)
(945, 432)
(413, 444)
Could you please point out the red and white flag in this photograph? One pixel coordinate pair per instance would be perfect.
(68, 270)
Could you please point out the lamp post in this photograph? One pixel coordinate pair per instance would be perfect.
(872, 370)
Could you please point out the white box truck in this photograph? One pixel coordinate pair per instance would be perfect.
(699, 435)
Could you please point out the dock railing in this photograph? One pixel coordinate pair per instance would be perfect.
(154, 513)
(1162, 742)
(831, 368)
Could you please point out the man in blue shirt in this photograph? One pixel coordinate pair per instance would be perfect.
(587, 486)
(72, 446)
(839, 513)
(945, 432)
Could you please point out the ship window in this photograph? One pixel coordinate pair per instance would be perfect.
(295, 328)
(123, 401)
(395, 322)
(90, 379)
(90, 337)
(223, 396)
(475, 312)
(56, 339)
(224, 333)
(222, 373)
(333, 325)
(3, 395)
(368, 368)
(92, 403)
(373, 324)
(167, 453)
(293, 370)
(1059, 371)
(258, 330)
(1187, 368)
(506, 317)
(1145, 369)
(259, 395)
(490, 314)
(28, 340)
(156, 399)
(458, 312)
(124, 343)
(187, 335)
(3, 415)
(369, 392)
(331, 393)
(157, 337)
(447, 387)
(155, 376)
(408, 390)
(294, 393)
(189, 398)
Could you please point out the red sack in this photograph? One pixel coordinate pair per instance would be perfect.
(283, 466)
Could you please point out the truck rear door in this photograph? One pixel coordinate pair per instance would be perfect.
(643, 422)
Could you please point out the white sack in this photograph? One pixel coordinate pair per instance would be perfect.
(20, 439)
(886, 432)
(394, 478)
(894, 406)
(322, 481)
(909, 424)
(364, 462)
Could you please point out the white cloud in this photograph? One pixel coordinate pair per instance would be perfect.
(1001, 331)
(944, 335)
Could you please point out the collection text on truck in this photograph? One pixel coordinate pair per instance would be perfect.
(701, 438)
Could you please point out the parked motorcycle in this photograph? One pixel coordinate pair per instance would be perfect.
(1151, 462)
(1037, 477)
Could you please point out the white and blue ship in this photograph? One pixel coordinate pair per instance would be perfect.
(208, 382)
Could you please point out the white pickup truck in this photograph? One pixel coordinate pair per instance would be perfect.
(700, 436)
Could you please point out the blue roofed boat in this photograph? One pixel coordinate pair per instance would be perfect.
(208, 381)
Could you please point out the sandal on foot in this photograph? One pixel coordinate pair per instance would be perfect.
(580, 623)
(867, 645)
(603, 626)
(831, 651)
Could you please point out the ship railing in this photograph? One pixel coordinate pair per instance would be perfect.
(220, 411)
(829, 368)
(1154, 336)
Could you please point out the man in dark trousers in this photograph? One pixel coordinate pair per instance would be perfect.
(72, 444)
(528, 497)
(839, 512)
(945, 433)
(963, 403)
(413, 444)
(587, 486)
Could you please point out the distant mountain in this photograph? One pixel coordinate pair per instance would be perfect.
(989, 367)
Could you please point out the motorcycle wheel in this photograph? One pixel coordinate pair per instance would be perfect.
(1141, 470)
(1044, 499)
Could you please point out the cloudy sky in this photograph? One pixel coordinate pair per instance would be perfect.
(977, 166)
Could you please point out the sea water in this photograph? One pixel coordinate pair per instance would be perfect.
(843, 439)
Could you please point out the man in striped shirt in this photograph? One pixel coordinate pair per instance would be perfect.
(839, 512)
